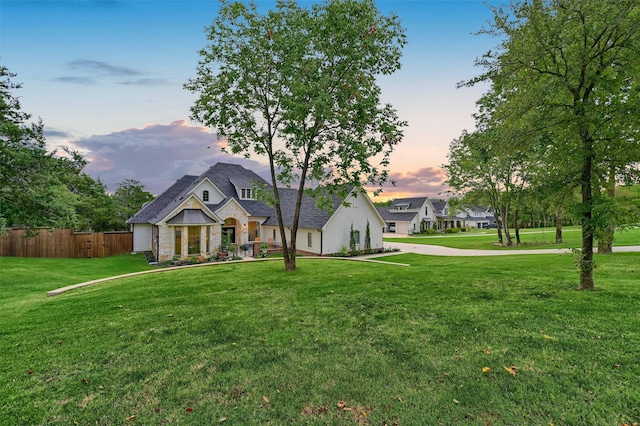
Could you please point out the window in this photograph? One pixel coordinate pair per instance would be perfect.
(194, 240)
(178, 242)
(401, 208)
(205, 195)
(247, 194)
(356, 237)
(309, 239)
(274, 235)
(426, 211)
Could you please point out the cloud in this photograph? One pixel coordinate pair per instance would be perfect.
(159, 154)
(91, 72)
(55, 134)
(146, 82)
(156, 155)
(428, 181)
(101, 67)
(75, 80)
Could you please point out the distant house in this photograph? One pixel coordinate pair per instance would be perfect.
(415, 215)
(478, 216)
(190, 217)
(408, 215)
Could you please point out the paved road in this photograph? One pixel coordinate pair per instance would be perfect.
(448, 251)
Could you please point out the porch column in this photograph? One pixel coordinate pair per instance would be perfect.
(185, 242)
(203, 240)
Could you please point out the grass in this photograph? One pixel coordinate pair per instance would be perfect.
(486, 239)
(336, 342)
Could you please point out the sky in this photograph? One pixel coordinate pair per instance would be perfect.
(106, 77)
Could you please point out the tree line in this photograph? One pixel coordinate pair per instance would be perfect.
(49, 189)
(559, 125)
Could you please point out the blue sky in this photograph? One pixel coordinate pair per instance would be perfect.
(106, 78)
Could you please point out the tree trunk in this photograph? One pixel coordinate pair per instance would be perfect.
(559, 228)
(290, 262)
(586, 257)
(505, 227)
(517, 225)
(605, 240)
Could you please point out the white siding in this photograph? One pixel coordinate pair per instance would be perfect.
(338, 229)
(215, 196)
(303, 239)
(142, 240)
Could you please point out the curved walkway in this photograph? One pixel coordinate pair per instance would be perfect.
(448, 251)
(200, 265)
(403, 247)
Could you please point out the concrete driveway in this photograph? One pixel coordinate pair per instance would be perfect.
(448, 251)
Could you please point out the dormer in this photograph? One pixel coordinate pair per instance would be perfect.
(247, 194)
(402, 207)
(245, 188)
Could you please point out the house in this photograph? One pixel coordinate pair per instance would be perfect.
(462, 217)
(478, 216)
(191, 216)
(414, 215)
(408, 215)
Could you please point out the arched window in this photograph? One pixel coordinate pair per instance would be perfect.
(205, 195)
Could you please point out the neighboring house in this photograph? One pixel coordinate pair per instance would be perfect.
(408, 215)
(463, 217)
(478, 216)
(414, 215)
(189, 218)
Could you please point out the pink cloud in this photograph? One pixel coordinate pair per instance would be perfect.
(428, 181)
(156, 154)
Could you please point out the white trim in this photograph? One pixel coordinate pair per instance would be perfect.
(180, 206)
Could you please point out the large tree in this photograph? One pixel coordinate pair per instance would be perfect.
(33, 193)
(47, 189)
(298, 85)
(129, 198)
(571, 68)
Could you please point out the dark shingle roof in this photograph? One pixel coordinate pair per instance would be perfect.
(310, 216)
(395, 216)
(412, 203)
(155, 207)
(438, 205)
(224, 176)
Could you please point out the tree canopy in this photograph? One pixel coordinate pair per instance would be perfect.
(568, 70)
(298, 86)
(41, 189)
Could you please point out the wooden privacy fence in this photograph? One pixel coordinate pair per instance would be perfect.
(65, 243)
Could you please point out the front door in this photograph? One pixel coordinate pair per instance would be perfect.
(231, 232)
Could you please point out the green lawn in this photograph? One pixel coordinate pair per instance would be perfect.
(486, 239)
(478, 341)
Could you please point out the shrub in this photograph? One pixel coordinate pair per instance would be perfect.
(452, 230)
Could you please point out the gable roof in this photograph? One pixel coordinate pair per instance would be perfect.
(438, 205)
(169, 197)
(227, 177)
(411, 203)
(311, 217)
(392, 216)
